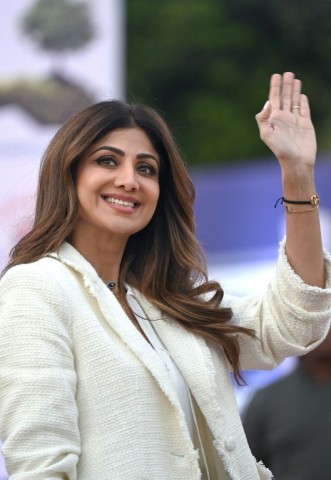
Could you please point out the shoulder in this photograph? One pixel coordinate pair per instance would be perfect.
(46, 275)
(34, 303)
(63, 277)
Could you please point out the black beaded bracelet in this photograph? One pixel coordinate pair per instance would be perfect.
(314, 201)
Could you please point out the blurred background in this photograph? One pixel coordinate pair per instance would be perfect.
(205, 66)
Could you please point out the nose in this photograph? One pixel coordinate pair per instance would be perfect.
(126, 177)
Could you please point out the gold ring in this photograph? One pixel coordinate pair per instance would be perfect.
(296, 106)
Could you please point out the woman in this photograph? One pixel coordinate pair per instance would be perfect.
(115, 349)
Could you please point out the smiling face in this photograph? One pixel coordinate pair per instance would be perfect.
(117, 183)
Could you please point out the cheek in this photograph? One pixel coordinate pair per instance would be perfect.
(86, 184)
(156, 196)
(85, 201)
(151, 192)
(79, 184)
(157, 190)
(81, 198)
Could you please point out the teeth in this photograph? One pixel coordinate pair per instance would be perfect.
(119, 202)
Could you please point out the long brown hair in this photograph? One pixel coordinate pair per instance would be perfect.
(164, 261)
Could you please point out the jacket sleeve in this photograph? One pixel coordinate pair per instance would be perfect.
(289, 319)
(38, 413)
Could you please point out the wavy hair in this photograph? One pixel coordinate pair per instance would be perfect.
(164, 261)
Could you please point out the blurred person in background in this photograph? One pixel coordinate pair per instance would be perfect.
(288, 423)
(115, 347)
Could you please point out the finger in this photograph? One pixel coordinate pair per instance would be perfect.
(287, 89)
(296, 96)
(275, 90)
(265, 112)
(262, 118)
(304, 106)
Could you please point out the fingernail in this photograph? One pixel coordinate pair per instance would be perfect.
(266, 104)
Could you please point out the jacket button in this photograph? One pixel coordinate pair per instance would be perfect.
(230, 444)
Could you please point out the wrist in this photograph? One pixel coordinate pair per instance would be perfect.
(297, 169)
(299, 206)
(298, 185)
(302, 206)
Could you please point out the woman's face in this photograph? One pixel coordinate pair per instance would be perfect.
(117, 183)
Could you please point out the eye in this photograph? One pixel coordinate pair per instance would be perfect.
(147, 169)
(106, 161)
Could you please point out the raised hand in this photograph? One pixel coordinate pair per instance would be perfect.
(285, 124)
(286, 128)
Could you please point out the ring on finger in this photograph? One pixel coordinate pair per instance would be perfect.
(294, 107)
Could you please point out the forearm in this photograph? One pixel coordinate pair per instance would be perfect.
(303, 234)
(286, 128)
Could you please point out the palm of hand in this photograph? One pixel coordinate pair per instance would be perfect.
(285, 124)
(291, 137)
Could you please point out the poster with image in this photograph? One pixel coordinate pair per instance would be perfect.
(58, 56)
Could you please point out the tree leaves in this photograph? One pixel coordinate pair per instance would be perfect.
(206, 65)
(58, 25)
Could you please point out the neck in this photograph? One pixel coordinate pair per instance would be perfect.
(105, 257)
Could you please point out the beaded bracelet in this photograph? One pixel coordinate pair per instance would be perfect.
(314, 202)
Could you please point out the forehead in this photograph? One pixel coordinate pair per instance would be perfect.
(127, 139)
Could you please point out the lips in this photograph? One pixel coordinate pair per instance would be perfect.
(128, 202)
(119, 202)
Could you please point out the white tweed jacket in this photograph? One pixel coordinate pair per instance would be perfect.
(84, 396)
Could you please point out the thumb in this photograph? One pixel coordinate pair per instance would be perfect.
(264, 114)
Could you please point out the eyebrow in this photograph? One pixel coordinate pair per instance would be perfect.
(122, 153)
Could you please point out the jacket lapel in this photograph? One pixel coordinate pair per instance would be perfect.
(117, 319)
(191, 355)
(190, 352)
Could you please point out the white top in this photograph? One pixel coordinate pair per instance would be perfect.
(177, 379)
(175, 375)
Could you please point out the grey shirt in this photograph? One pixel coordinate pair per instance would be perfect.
(288, 427)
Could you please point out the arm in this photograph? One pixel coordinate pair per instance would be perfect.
(290, 134)
(293, 316)
(290, 318)
(39, 418)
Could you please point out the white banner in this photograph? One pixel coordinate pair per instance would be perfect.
(36, 82)
(40, 86)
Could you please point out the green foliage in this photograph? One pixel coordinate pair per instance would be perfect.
(206, 64)
(58, 25)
